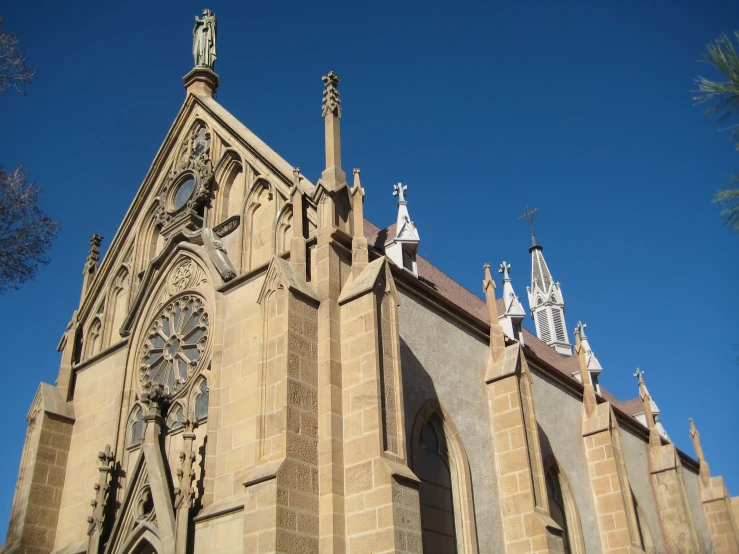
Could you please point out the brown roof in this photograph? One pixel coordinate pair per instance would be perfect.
(475, 306)
(632, 406)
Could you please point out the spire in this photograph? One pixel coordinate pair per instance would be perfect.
(588, 397)
(403, 247)
(333, 176)
(297, 243)
(513, 314)
(705, 472)
(91, 264)
(650, 408)
(646, 400)
(497, 341)
(545, 297)
(360, 256)
(591, 362)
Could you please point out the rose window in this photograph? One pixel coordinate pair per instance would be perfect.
(175, 343)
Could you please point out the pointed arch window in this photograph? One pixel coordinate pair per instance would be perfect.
(202, 399)
(557, 505)
(435, 492)
(175, 419)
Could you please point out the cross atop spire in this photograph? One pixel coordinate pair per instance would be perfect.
(331, 100)
(529, 215)
(504, 269)
(580, 329)
(400, 190)
(639, 374)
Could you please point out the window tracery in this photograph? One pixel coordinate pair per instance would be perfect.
(136, 427)
(175, 343)
(202, 400)
(176, 418)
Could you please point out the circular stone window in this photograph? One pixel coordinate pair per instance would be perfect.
(175, 344)
(183, 193)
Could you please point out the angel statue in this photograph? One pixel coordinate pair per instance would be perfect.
(204, 40)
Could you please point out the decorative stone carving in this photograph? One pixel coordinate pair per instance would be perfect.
(96, 521)
(185, 275)
(188, 186)
(227, 227)
(175, 344)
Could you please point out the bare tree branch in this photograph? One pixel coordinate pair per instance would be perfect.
(26, 232)
(14, 73)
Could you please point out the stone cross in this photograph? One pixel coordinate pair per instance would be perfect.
(530, 216)
(638, 374)
(331, 100)
(400, 190)
(504, 269)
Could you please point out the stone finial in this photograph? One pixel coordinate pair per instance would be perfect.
(704, 471)
(360, 254)
(357, 183)
(97, 520)
(646, 400)
(331, 100)
(93, 256)
(589, 400)
(497, 339)
(400, 190)
(296, 176)
(504, 269)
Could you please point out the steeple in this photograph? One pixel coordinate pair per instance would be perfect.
(591, 362)
(402, 248)
(333, 176)
(513, 314)
(649, 417)
(545, 297)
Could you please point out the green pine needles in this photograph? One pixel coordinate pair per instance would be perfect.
(724, 96)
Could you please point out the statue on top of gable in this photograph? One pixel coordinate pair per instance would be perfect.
(204, 40)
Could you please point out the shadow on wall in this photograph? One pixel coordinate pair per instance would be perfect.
(418, 388)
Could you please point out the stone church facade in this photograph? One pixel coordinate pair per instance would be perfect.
(254, 367)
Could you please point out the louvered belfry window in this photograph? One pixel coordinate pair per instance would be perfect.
(543, 322)
(559, 328)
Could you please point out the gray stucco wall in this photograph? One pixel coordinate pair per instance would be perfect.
(440, 359)
(559, 415)
(636, 457)
(693, 490)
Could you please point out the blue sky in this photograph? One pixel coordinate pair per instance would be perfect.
(582, 109)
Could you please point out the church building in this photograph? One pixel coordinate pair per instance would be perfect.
(254, 367)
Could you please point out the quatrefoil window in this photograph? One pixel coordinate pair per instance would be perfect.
(175, 343)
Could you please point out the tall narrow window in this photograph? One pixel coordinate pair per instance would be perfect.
(435, 491)
(201, 400)
(557, 505)
(136, 426)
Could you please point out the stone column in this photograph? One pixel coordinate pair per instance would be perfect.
(381, 493)
(185, 492)
(716, 503)
(281, 505)
(38, 492)
(527, 526)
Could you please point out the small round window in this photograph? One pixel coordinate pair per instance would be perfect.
(183, 193)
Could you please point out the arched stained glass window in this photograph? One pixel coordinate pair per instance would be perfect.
(557, 505)
(201, 400)
(136, 427)
(435, 492)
